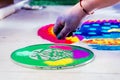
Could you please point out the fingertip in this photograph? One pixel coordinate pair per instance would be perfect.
(59, 37)
(63, 33)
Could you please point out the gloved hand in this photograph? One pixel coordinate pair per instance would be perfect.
(68, 22)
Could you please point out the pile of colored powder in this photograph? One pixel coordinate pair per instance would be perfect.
(46, 32)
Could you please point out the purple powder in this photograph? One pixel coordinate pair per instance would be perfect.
(80, 37)
(77, 54)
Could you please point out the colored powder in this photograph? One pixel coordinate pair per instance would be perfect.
(79, 37)
(77, 54)
(46, 32)
(61, 62)
(114, 30)
(99, 29)
(61, 47)
(105, 47)
(103, 41)
(73, 39)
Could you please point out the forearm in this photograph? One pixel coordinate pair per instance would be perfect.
(90, 5)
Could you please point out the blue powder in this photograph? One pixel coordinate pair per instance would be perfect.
(98, 29)
(105, 47)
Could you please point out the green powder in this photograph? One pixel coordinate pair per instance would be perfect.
(52, 2)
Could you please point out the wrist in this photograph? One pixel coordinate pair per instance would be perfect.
(84, 10)
(88, 6)
(76, 11)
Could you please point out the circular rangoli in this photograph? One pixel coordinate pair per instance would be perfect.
(52, 56)
(46, 32)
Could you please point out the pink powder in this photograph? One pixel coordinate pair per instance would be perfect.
(62, 47)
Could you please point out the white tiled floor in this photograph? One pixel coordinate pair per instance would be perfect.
(20, 30)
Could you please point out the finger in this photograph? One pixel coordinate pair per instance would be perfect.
(58, 25)
(57, 29)
(64, 32)
(71, 33)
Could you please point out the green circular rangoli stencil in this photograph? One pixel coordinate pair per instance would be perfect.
(52, 56)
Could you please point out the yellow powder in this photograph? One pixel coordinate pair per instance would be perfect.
(61, 62)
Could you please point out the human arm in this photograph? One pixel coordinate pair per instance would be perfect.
(69, 21)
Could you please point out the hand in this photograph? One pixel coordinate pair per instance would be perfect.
(68, 22)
